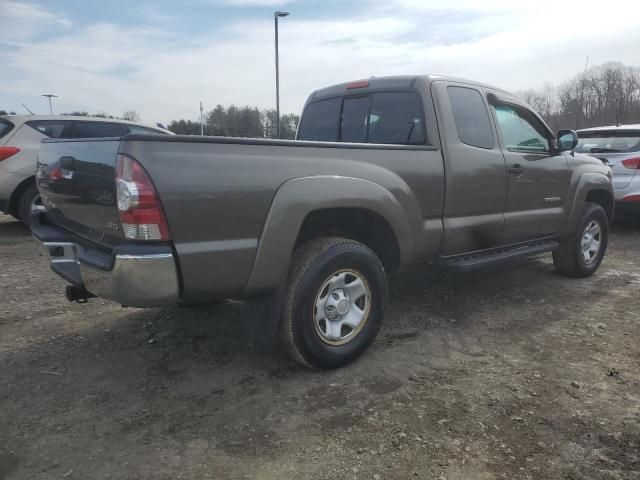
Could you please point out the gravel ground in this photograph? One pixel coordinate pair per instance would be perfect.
(511, 372)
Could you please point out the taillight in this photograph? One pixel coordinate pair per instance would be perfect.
(6, 152)
(632, 163)
(55, 173)
(140, 210)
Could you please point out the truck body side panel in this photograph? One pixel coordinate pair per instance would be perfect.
(217, 196)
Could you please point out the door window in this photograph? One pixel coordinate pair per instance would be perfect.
(521, 130)
(471, 117)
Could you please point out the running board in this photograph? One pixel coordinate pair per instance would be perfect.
(475, 260)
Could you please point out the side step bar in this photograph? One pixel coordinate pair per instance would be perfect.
(471, 261)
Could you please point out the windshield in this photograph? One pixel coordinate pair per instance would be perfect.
(608, 142)
(5, 127)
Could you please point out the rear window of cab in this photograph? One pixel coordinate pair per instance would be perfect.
(383, 118)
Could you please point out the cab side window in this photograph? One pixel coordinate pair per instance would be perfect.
(471, 117)
(521, 130)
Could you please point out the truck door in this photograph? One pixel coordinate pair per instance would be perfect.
(538, 175)
(475, 170)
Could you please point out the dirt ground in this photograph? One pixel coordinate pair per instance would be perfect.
(512, 372)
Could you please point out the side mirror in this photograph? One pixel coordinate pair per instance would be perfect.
(567, 140)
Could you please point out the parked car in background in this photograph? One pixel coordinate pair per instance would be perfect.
(618, 147)
(386, 173)
(20, 137)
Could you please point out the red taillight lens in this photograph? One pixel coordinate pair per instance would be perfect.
(6, 152)
(632, 163)
(140, 210)
(632, 198)
(55, 173)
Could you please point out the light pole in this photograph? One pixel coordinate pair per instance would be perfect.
(277, 15)
(201, 121)
(50, 96)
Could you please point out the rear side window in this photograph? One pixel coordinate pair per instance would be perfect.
(97, 129)
(51, 128)
(5, 127)
(353, 124)
(386, 117)
(143, 130)
(471, 117)
(320, 121)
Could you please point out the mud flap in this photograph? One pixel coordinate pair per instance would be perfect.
(264, 319)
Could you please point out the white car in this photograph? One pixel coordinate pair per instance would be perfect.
(20, 137)
(618, 147)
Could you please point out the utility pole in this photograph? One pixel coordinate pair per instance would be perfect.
(50, 96)
(201, 120)
(277, 15)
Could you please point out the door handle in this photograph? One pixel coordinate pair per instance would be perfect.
(516, 169)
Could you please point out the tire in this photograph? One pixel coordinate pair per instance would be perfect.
(26, 201)
(318, 270)
(569, 259)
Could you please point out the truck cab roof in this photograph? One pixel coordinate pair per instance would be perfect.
(391, 82)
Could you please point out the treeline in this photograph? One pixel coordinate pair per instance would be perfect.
(128, 115)
(236, 121)
(606, 94)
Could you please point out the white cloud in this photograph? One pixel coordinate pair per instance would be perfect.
(23, 20)
(164, 76)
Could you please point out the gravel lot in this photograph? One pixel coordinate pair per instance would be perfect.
(512, 372)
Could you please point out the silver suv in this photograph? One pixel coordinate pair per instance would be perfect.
(618, 147)
(20, 138)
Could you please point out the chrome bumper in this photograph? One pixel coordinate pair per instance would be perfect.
(134, 280)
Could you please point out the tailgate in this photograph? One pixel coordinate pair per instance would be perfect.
(76, 179)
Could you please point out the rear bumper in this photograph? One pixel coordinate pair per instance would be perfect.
(140, 277)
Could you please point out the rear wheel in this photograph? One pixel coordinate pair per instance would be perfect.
(29, 199)
(580, 254)
(334, 302)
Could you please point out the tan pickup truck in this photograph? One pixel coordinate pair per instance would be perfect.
(385, 173)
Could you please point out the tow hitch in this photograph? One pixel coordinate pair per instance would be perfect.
(78, 294)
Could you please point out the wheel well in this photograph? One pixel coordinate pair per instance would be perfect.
(357, 224)
(14, 200)
(602, 198)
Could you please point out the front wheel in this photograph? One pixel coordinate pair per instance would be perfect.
(335, 298)
(581, 254)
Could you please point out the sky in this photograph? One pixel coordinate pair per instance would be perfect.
(162, 57)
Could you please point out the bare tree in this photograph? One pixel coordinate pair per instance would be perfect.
(131, 115)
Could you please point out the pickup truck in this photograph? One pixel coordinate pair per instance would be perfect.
(385, 173)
